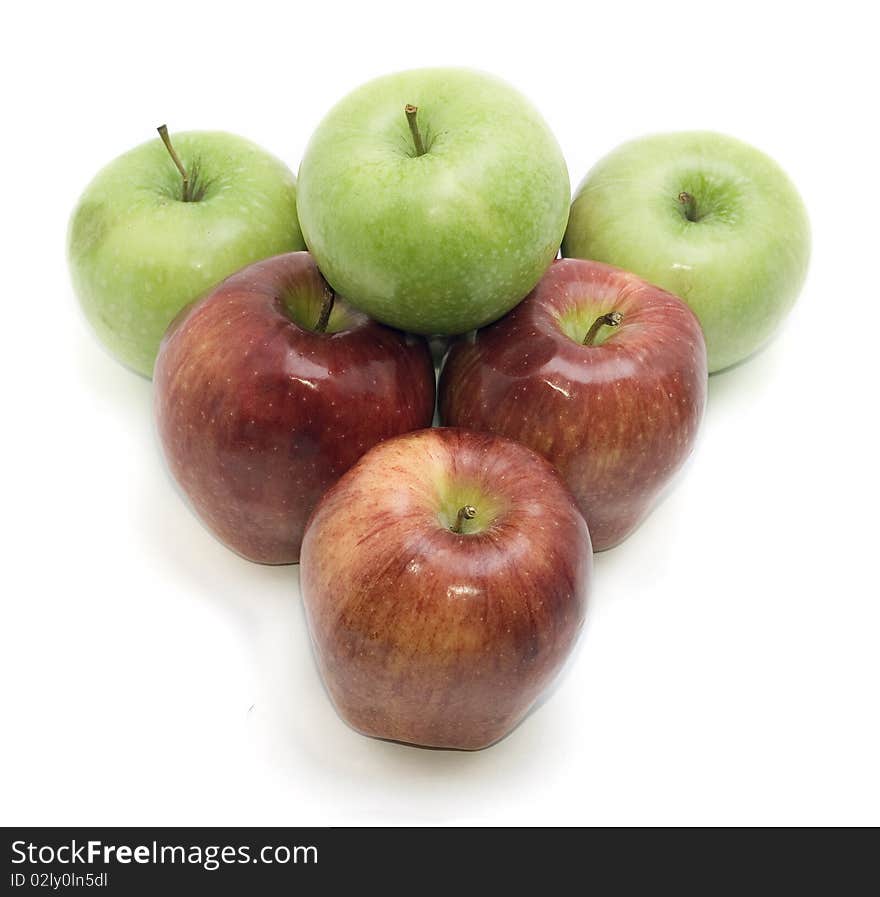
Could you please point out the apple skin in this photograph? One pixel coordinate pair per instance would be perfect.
(446, 241)
(258, 414)
(617, 418)
(740, 266)
(432, 637)
(138, 254)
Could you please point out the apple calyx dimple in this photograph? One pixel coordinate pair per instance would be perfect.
(412, 113)
(689, 204)
(612, 319)
(467, 512)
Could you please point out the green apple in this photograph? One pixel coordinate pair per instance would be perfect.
(706, 217)
(433, 199)
(143, 241)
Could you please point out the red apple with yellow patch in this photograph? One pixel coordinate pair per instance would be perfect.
(602, 373)
(268, 389)
(445, 580)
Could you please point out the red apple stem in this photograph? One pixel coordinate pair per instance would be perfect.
(326, 309)
(468, 512)
(163, 133)
(412, 113)
(690, 205)
(612, 319)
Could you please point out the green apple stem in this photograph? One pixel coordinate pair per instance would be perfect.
(612, 319)
(326, 309)
(468, 512)
(412, 113)
(690, 205)
(163, 133)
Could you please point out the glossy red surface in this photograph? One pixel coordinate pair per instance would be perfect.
(432, 637)
(617, 418)
(258, 415)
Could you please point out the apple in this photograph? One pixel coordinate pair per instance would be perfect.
(144, 240)
(433, 199)
(600, 372)
(444, 578)
(268, 389)
(707, 217)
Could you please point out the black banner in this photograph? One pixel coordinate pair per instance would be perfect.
(162, 861)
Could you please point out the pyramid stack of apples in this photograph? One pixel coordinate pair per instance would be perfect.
(444, 570)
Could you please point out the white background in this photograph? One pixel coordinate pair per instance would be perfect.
(728, 671)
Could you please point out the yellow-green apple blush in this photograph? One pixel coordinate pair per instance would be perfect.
(433, 199)
(163, 223)
(707, 217)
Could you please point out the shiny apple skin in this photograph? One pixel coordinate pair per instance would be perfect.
(617, 418)
(440, 639)
(258, 416)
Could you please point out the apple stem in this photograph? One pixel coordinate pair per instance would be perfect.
(163, 133)
(690, 206)
(326, 309)
(468, 512)
(612, 319)
(411, 116)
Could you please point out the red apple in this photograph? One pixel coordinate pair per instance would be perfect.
(261, 407)
(444, 578)
(600, 372)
